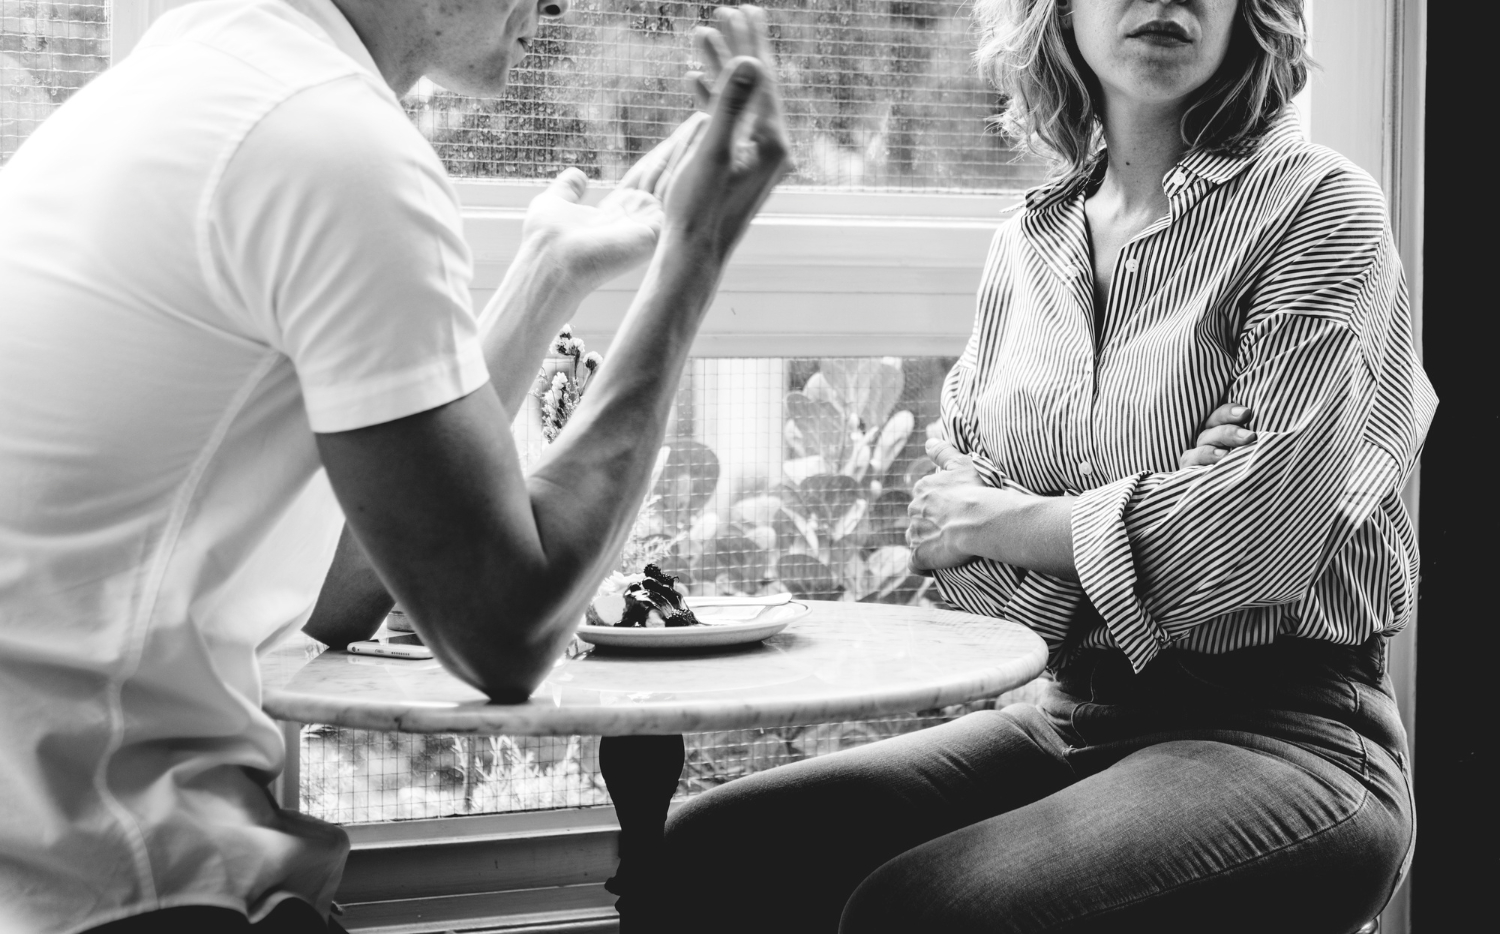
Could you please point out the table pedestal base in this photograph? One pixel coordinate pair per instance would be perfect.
(641, 774)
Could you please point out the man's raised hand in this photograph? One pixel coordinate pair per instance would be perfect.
(591, 245)
(733, 162)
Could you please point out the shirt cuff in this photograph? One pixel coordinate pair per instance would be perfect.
(1106, 569)
(385, 398)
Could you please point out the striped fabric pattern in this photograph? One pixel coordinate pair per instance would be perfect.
(1273, 282)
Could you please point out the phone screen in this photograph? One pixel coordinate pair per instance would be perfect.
(405, 638)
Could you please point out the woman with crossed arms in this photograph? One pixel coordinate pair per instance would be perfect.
(1220, 749)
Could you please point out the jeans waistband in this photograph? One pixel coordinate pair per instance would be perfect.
(1346, 683)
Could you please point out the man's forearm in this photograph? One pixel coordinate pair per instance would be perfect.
(533, 302)
(587, 488)
(535, 299)
(585, 502)
(353, 601)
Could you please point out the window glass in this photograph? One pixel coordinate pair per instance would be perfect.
(47, 51)
(880, 95)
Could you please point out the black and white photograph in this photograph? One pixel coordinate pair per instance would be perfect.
(805, 467)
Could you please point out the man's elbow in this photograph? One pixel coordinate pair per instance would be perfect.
(505, 659)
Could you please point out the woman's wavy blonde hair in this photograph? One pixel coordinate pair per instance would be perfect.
(1053, 98)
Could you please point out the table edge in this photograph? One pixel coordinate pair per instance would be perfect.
(520, 719)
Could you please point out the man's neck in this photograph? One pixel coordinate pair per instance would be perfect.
(394, 35)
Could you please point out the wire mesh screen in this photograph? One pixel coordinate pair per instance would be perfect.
(47, 51)
(880, 94)
(360, 776)
(779, 474)
(788, 474)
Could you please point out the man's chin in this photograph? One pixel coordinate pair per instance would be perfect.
(472, 84)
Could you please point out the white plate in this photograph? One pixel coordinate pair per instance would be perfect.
(724, 631)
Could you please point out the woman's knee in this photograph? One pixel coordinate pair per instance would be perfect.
(926, 889)
(883, 902)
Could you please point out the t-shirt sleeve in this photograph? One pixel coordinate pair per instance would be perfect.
(334, 236)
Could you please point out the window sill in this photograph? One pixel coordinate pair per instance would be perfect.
(818, 273)
(539, 871)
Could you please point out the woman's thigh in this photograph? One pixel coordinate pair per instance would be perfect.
(782, 850)
(1182, 836)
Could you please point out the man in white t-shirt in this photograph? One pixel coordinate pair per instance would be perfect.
(233, 286)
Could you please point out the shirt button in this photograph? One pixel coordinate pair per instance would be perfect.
(1132, 264)
(1179, 177)
(1085, 468)
(1070, 270)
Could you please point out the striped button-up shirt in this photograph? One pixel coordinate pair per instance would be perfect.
(1273, 282)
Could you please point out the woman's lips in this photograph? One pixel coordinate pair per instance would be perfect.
(1161, 32)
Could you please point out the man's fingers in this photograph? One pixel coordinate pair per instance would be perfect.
(569, 185)
(686, 138)
(735, 91)
(1230, 413)
(760, 34)
(649, 172)
(1226, 436)
(736, 30)
(703, 94)
(712, 50)
(647, 169)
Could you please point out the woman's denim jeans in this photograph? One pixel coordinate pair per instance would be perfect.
(1261, 791)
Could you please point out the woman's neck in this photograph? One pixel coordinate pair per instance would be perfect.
(1143, 143)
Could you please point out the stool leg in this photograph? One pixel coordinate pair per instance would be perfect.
(641, 774)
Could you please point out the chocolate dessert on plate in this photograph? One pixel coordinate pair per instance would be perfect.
(651, 599)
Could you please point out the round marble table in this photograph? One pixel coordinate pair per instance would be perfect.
(841, 661)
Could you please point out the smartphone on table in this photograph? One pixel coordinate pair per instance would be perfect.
(395, 645)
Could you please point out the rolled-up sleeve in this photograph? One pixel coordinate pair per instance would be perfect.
(1340, 407)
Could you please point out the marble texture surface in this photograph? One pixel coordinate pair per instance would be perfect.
(841, 661)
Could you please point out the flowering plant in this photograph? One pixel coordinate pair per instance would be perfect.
(563, 390)
(559, 391)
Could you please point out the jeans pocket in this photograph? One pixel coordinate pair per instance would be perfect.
(1061, 709)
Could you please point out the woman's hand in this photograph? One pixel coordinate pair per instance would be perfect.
(944, 506)
(1223, 432)
(714, 190)
(955, 517)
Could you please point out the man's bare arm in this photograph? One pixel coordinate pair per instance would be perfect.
(567, 251)
(494, 567)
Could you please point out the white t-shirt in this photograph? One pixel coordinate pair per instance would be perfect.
(229, 241)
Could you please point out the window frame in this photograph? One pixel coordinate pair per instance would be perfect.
(889, 273)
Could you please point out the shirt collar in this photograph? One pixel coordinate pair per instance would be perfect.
(1214, 168)
(333, 23)
(1218, 168)
(1063, 189)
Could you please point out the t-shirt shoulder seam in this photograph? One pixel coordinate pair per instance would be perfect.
(226, 156)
